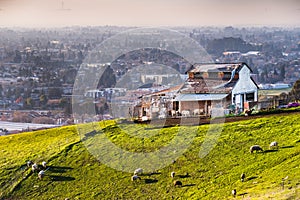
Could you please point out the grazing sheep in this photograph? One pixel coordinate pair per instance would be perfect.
(41, 174)
(34, 167)
(135, 177)
(243, 176)
(172, 174)
(138, 171)
(233, 192)
(29, 163)
(273, 144)
(255, 148)
(44, 164)
(177, 183)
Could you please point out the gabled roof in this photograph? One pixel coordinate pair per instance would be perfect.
(215, 84)
(217, 67)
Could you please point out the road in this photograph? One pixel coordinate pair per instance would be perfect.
(14, 126)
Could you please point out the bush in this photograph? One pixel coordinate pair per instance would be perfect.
(21, 117)
(43, 120)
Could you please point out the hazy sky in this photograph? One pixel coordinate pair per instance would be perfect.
(49, 13)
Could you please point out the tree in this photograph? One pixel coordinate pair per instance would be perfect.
(108, 78)
(282, 71)
(18, 57)
(65, 103)
(294, 95)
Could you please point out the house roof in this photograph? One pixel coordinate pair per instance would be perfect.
(217, 67)
(199, 97)
(214, 84)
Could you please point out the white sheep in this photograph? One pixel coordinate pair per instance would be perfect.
(172, 174)
(138, 171)
(29, 163)
(243, 176)
(44, 164)
(273, 144)
(233, 192)
(34, 167)
(41, 174)
(135, 177)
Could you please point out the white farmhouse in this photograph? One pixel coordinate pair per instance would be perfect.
(213, 85)
(208, 88)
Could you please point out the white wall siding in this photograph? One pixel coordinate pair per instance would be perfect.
(245, 85)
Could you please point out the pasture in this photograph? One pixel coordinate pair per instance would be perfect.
(76, 174)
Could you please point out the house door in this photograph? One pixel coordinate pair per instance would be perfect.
(242, 102)
(176, 105)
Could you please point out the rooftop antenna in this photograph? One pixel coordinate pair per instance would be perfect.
(63, 6)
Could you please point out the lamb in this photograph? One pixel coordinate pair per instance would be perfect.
(34, 167)
(177, 183)
(233, 192)
(255, 148)
(138, 171)
(172, 174)
(29, 163)
(44, 164)
(273, 144)
(135, 177)
(243, 176)
(41, 174)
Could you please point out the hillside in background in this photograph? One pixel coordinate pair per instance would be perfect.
(75, 174)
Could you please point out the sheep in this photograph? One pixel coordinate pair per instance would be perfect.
(243, 176)
(172, 174)
(29, 163)
(41, 174)
(273, 144)
(138, 171)
(233, 192)
(135, 177)
(255, 148)
(34, 167)
(177, 183)
(44, 164)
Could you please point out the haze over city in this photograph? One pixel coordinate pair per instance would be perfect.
(58, 13)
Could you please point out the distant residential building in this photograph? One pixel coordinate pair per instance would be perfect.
(208, 86)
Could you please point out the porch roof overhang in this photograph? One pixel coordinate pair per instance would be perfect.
(200, 97)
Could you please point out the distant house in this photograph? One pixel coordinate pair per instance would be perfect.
(214, 85)
(156, 104)
(229, 86)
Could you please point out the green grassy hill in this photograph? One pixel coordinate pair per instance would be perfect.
(75, 174)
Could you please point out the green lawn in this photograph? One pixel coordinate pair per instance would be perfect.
(76, 174)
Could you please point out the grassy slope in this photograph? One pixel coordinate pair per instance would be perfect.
(75, 174)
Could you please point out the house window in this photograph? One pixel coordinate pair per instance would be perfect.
(250, 96)
(198, 75)
(176, 105)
